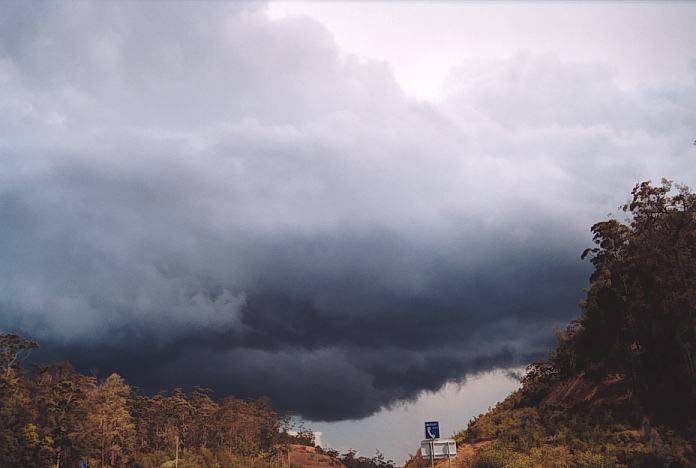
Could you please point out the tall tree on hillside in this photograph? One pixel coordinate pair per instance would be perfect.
(203, 412)
(60, 396)
(247, 427)
(140, 409)
(22, 441)
(13, 350)
(109, 423)
(178, 414)
(640, 311)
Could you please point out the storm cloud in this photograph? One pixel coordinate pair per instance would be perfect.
(195, 194)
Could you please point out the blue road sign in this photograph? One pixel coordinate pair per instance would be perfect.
(432, 430)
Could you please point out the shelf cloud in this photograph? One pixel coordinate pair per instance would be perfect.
(195, 194)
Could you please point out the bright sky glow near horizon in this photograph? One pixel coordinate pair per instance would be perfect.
(344, 206)
(397, 432)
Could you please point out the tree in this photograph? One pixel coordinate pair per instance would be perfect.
(203, 409)
(55, 416)
(22, 442)
(13, 350)
(639, 314)
(109, 424)
(60, 395)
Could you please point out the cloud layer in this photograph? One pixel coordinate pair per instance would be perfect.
(199, 195)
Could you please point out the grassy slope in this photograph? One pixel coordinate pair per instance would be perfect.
(630, 356)
(579, 422)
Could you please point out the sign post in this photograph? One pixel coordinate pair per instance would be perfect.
(435, 448)
(432, 453)
(432, 432)
(449, 459)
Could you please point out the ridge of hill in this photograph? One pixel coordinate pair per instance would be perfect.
(308, 457)
(619, 390)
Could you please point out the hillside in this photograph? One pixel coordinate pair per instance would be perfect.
(620, 388)
(51, 415)
(308, 457)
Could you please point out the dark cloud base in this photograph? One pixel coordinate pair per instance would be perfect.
(343, 348)
(197, 194)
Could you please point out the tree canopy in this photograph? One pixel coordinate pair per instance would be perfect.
(639, 313)
(620, 387)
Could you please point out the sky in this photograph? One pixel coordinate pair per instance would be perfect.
(361, 210)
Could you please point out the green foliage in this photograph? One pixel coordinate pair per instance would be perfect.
(22, 441)
(57, 417)
(351, 460)
(639, 314)
(637, 329)
(502, 457)
(13, 350)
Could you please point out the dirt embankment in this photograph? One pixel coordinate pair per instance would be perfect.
(307, 457)
(612, 390)
(466, 453)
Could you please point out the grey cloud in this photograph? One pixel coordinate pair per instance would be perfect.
(198, 195)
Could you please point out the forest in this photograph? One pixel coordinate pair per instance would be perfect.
(619, 390)
(53, 416)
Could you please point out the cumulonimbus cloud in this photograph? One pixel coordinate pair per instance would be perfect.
(199, 195)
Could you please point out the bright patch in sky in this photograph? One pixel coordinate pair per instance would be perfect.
(422, 41)
(397, 431)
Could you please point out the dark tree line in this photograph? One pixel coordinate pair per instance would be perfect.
(640, 312)
(620, 387)
(351, 459)
(53, 416)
